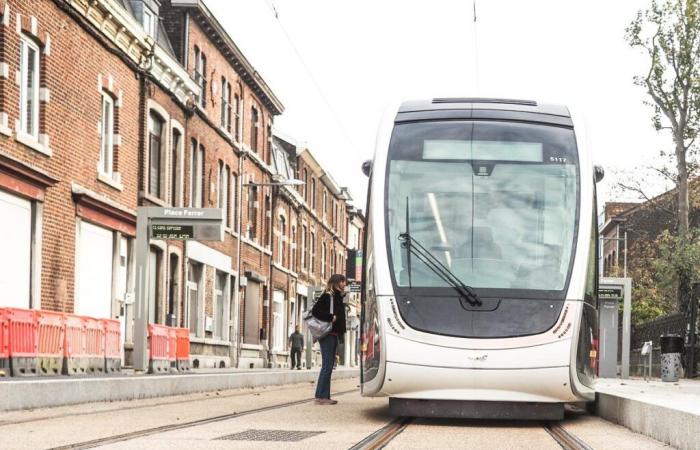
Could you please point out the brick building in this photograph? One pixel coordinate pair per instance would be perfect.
(109, 105)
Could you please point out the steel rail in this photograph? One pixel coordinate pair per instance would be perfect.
(380, 438)
(565, 439)
(178, 426)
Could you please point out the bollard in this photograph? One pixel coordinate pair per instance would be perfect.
(647, 351)
(671, 348)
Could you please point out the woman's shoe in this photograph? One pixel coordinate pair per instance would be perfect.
(325, 401)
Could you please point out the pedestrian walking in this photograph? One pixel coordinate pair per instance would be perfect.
(334, 292)
(296, 341)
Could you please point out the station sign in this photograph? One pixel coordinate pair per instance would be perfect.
(202, 224)
(611, 293)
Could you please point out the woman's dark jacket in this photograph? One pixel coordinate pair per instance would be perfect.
(322, 311)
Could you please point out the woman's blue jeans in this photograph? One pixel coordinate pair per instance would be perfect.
(328, 345)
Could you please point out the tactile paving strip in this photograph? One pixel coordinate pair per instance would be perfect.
(270, 435)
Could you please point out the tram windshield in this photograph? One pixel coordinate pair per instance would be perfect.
(495, 202)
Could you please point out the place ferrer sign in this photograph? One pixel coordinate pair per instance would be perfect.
(202, 224)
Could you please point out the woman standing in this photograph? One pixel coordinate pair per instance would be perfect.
(334, 292)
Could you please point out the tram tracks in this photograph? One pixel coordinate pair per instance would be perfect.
(382, 437)
(178, 426)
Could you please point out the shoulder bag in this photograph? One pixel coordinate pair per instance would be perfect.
(319, 328)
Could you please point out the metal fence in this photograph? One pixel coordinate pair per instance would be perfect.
(652, 331)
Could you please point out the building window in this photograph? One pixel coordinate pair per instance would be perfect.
(280, 240)
(155, 264)
(193, 172)
(268, 141)
(237, 124)
(219, 299)
(293, 249)
(173, 290)
(254, 129)
(278, 320)
(155, 131)
(196, 175)
(175, 169)
(149, 21)
(312, 252)
(232, 200)
(266, 223)
(221, 187)
(323, 261)
(29, 87)
(252, 212)
(200, 75)
(194, 289)
(229, 198)
(325, 200)
(313, 194)
(302, 263)
(18, 242)
(225, 105)
(107, 138)
(305, 177)
(200, 177)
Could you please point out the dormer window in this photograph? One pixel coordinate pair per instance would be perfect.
(149, 22)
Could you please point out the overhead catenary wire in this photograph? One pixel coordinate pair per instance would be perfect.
(476, 48)
(311, 76)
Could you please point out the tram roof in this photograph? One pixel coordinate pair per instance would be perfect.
(483, 108)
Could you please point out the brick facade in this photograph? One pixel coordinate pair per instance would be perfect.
(166, 149)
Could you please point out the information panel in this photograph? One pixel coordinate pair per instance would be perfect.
(172, 232)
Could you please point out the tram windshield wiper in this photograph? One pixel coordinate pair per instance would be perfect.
(414, 247)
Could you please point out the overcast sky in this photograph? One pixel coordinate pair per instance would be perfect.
(336, 65)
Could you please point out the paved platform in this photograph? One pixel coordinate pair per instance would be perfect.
(667, 412)
(18, 393)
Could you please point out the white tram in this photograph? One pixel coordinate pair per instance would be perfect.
(480, 273)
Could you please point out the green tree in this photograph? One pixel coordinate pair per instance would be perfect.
(669, 32)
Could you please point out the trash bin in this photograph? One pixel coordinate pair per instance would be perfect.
(671, 348)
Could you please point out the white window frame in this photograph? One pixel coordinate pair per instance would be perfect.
(280, 241)
(176, 166)
(25, 45)
(312, 252)
(278, 323)
(107, 138)
(199, 174)
(149, 21)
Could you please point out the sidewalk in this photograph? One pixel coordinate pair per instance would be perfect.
(667, 412)
(44, 392)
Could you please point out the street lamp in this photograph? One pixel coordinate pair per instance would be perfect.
(237, 284)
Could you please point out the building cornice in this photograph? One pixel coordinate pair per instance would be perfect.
(128, 35)
(218, 35)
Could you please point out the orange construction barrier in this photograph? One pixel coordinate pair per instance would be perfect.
(4, 344)
(113, 345)
(158, 348)
(23, 343)
(94, 345)
(51, 340)
(172, 349)
(74, 347)
(182, 353)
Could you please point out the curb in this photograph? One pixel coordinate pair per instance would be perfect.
(38, 393)
(674, 427)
